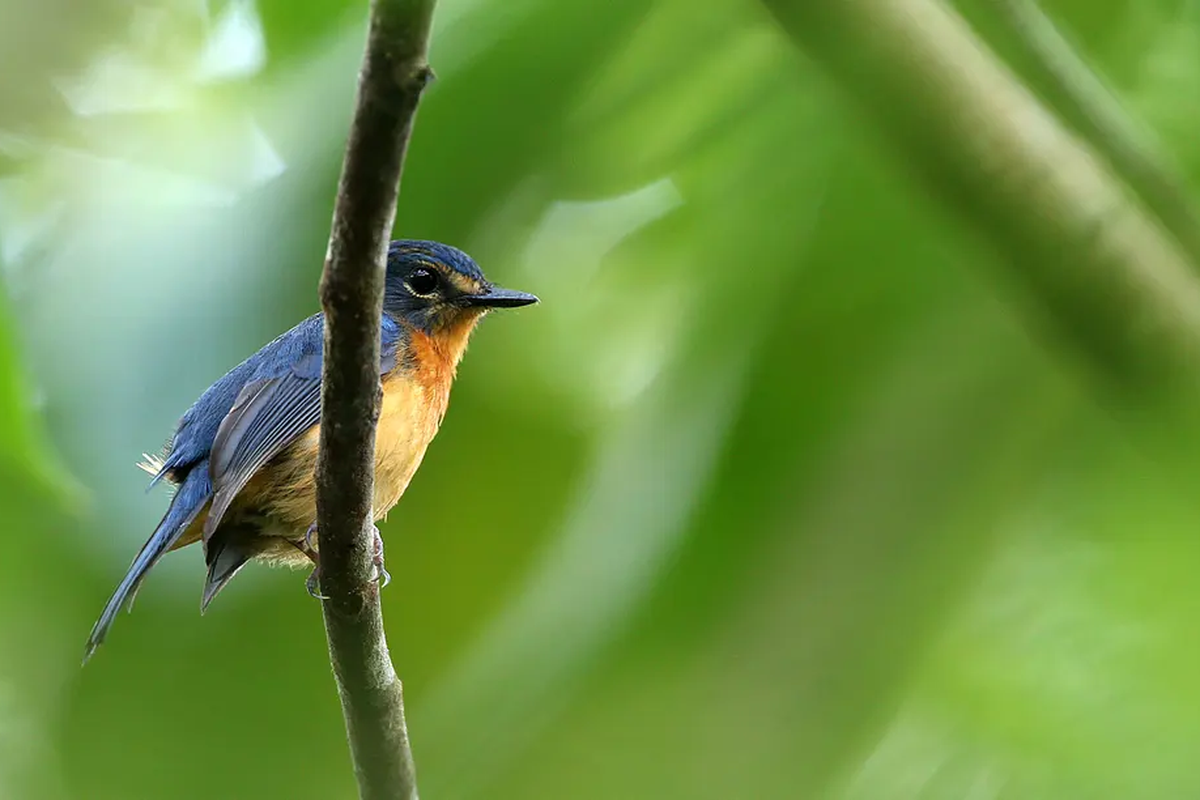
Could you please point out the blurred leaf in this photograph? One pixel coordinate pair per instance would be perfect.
(772, 496)
(295, 28)
(25, 450)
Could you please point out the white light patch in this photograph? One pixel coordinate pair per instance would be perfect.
(580, 234)
(563, 259)
(118, 83)
(236, 48)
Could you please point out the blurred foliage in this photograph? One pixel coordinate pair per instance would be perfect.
(773, 496)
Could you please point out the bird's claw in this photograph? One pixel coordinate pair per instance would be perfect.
(382, 576)
(313, 582)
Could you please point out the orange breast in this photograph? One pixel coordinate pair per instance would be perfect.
(415, 397)
(408, 420)
(414, 403)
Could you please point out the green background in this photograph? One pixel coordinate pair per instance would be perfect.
(775, 495)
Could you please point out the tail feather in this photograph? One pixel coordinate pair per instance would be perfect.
(226, 556)
(187, 503)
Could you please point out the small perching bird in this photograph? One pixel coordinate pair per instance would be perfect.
(243, 456)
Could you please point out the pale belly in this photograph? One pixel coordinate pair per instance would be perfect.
(286, 491)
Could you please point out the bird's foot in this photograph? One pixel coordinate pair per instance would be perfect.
(382, 576)
(313, 582)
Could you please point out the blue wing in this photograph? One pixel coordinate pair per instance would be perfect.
(237, 425)
(279, 402)
(256, 410)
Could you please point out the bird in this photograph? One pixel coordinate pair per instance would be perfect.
(242, 458)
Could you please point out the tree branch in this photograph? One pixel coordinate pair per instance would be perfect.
(1091, 108)
(394, 73)
(1102, 271)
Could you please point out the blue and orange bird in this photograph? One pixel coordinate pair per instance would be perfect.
(242, 458)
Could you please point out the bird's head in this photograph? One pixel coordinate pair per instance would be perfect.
(439, 289)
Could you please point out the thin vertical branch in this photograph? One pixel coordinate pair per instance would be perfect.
(394, 73)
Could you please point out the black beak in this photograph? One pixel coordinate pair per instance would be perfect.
(496, 297)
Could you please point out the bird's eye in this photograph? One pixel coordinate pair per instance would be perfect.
(422, 281)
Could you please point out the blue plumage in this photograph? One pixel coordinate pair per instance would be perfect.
(193, 493)
(409, 251)
(296, 352)
(252, 420)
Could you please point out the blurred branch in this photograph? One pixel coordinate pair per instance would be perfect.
(1092, 109)
(394, 73)
(1102, 271)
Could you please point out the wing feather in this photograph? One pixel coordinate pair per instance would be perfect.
(269, 414)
